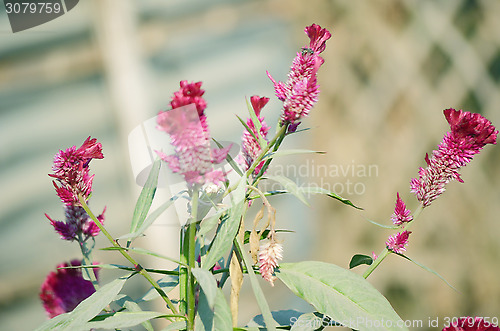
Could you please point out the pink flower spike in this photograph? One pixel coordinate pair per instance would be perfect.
(469, 134)
(300, 92)
(269, 254)
(401, 213)
(64, 289)
(189, 93)
(397, 242)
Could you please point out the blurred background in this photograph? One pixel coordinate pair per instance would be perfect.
(390, 69)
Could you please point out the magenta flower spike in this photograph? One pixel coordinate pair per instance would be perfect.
(77, 223)
(401, 213)
(188, 129)
(64, 289)
(300, 92)
(397, 243)
(469, 133)
(71, 171)
(251, 147)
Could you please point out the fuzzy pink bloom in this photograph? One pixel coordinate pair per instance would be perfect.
(401, 213)
(471, 324)
(64, 289)
(190, 137)
(301, 90)
(397, 242)
(77, 225)
(71, 171)
(251, 147)
(269, 254)
(469, 133)
(189, 93)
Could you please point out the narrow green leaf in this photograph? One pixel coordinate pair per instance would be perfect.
(290, 186)
(427, 269)
(128, 303)
(123, 319)
(344, 296)
(360, 259)
(286, 152)
(207, 283)
(87, 309)
(247, 128)
(181, 325)
(312, 322)
(230, 160)
(224, 238)
(284, 318)
(263, 235)
(218, 318)
(319, 190)
(145, 198)
(270, 323)
(393, 227)
(167, 284)
(151, 218)
(211, 222)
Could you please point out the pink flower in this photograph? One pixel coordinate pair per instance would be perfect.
(397, 242)
(190, 137)
(64, 289)
(469, 134)
(269, 254)
(189, 93)
(71, 171)
(251, 147)
(77, 225)
(471, 324)
(401, 213)
(301, 90)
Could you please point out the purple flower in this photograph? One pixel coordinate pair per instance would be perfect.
(401, 213)
(64, 289)
(469, 133)
(251, 147)
(301, 90)
(397, 242)
(190, 137)
(71, 171)
(77, 223)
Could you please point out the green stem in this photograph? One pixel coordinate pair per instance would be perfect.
(137, 266)
(192, 260)
(386, 251)
(87, 261)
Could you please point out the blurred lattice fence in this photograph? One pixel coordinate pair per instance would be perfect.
(391, 68)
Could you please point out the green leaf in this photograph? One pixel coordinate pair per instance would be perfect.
(427, 269)
(263, 235)
(284, 318)
(270, 323)
(224, 238)
(207, 283)
(181, 325)
(124, 319)
(247, 128)
(87, 309)
(312, 322)
(360, 259)
(393, 227)
(230, 160)
(167, 284)
(341, 294)
(145, 198)
(218, 318)
(290, 186)
(211, 222)
(286, 152)
(319, 190)
(151, 218)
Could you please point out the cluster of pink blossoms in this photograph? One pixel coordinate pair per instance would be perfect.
(251, 148)
(72, 180)
(269, 254)
(402, 215)
(190, 137)
(300, 92)
(469, 133)
(64, 289)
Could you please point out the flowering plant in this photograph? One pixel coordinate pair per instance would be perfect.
(217, 241)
